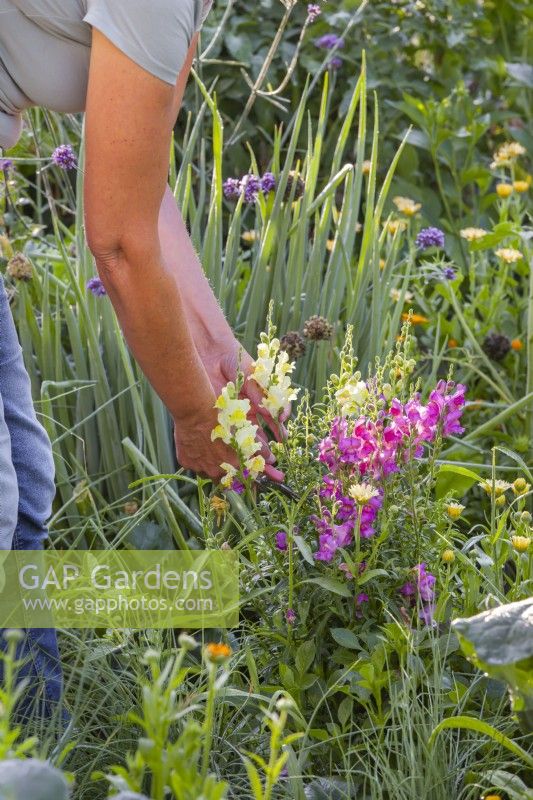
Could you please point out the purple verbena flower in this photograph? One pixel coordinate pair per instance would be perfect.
(313, 11)
(251, 185)
(231, 188)
(281, 540)
(6, 165)
(237, 486)
(268, 182)
(64, 157)
(430, 237)
(335, 63)
(328, 41)
(96, 287)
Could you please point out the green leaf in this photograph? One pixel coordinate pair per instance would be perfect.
(522, 73)
(305, 656)
(331, 584)
(346, 638)
(472, 724)
(502, 635)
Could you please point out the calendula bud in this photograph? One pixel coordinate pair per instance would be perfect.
(448, 556)
(187, 642)
(521, 486)
(500, 501)
(131, 507)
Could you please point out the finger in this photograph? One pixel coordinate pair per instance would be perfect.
(274, 474)
(285, 414)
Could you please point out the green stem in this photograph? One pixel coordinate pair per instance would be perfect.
(209, 720)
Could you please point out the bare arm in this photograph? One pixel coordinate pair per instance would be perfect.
(129, 120)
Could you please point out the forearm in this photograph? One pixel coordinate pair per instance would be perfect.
(206, 319)
(151, 313)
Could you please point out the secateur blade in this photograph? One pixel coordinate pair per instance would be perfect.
(265, 484)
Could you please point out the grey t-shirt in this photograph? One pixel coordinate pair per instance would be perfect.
(45, 48)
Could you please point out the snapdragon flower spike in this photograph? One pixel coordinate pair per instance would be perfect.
(236, 430)
(271, 370)
(370, 450)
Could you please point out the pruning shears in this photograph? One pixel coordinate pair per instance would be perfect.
(265, 484)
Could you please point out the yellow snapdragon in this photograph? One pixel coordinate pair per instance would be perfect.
(236, 430)
(272, 370)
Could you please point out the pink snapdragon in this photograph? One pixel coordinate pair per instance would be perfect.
(372, 449)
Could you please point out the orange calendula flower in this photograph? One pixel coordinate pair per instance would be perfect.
(217, 652)
(517, 345)
(452, 343)
(504, 189)
(415, 319)
(520, 186)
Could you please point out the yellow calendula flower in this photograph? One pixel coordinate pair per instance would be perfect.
(382, 263)
(249, 237)
(406, 206)
(362, 493)
(521, 543)
(521, 186)
(454, 510)
(473, 234)
(330, 244)
(506, 154)
(220, 506)
(395, 225)
(448, 556)
(509, 254)
(497, 487)
(414, 319)
(504, 189)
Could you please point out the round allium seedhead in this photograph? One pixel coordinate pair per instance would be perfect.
(318, 328)
(293, 179)
(19, 267)
(496, 345)
(294, 344)
(65, 157)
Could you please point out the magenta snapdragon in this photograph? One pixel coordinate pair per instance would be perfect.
(371, 449)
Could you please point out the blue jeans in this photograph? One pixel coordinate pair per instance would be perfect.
(26, 493)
